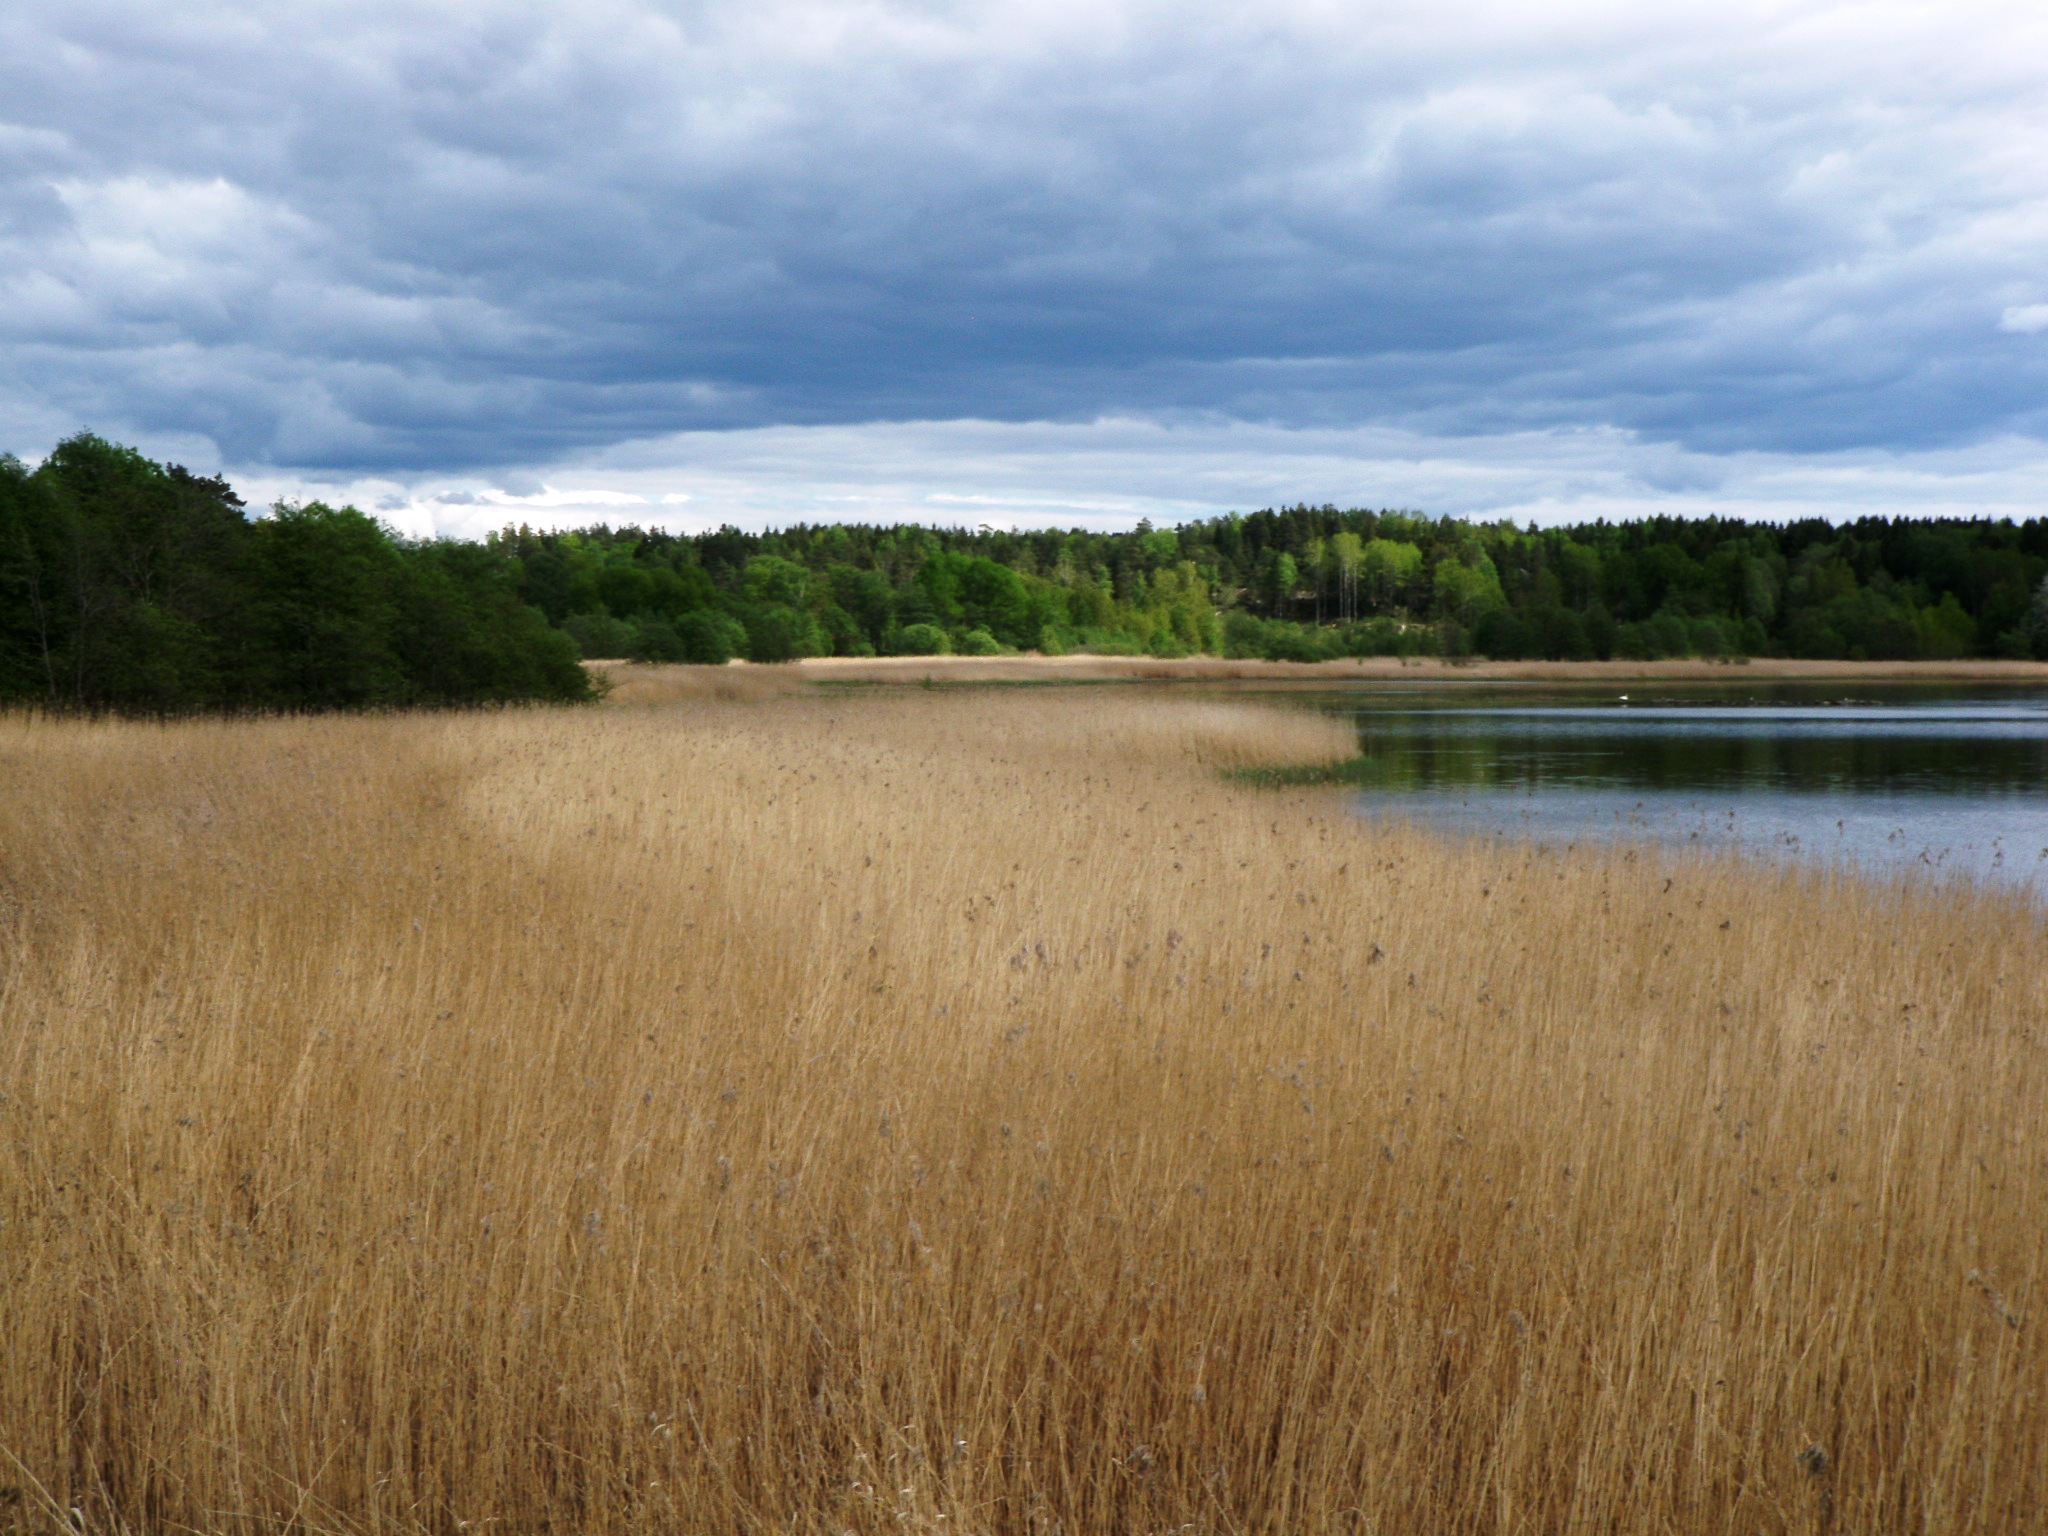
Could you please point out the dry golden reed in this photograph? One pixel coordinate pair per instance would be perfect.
(637, 685)
(972, 1112)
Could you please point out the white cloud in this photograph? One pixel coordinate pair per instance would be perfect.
(2025, 319)
(1111, 472)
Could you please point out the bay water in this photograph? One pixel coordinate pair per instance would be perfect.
(1945, 782)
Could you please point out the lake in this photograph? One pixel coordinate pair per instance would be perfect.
(1941, 781)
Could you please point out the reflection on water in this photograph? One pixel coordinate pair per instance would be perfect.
(1945, 781)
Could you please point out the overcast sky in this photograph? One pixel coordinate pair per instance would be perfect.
(1019, 263)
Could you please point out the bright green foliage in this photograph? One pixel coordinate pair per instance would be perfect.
(1467, 586)
(772, 579)
(1389, 570)
(1161, 547)
(969, 592)
(979, 642)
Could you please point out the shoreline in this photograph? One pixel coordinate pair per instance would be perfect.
(1421, 671)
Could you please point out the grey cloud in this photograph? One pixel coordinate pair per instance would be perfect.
(379, 238)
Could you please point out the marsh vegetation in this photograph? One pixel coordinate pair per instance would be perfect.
(976, 1112)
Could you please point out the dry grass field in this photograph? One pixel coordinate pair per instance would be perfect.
(972, 1112)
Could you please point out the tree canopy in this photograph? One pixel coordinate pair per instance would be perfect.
(125, 584)
(1309, 583)
(133, 585)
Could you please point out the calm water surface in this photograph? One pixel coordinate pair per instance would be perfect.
(1943, 781)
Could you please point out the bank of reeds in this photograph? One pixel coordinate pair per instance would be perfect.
(976, 1113)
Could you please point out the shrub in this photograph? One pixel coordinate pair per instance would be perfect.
(657, 640)
(1167, 645)
(709, 639)
(1294, 642)
(775, 632)
(920, 640)
(1244, 635)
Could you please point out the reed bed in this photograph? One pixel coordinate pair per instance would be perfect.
(974, 1112)
(641, 685)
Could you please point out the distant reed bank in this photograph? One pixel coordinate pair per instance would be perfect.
(976, 1112)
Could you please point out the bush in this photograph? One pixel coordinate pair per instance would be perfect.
(1167, 645)
(709, 639)
(1294, 642)
(1378, 637)
(1108, 642)
(657, 640)
(1664, 634)
(920, 640)
(978, 642)
(1244, 635)
(775, 632)
(842, 631)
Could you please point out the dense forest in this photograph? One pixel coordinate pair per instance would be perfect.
(1304, 584)
(130, 585)
(134, 585)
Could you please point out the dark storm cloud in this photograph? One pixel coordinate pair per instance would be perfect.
(382, 238)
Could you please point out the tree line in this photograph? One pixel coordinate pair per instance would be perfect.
(1304, 584)
(127, 584)
(133, 585)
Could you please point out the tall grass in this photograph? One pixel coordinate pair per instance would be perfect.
(975, 1113)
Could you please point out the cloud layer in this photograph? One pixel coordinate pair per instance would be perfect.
(361, 240)
(1111, 472)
